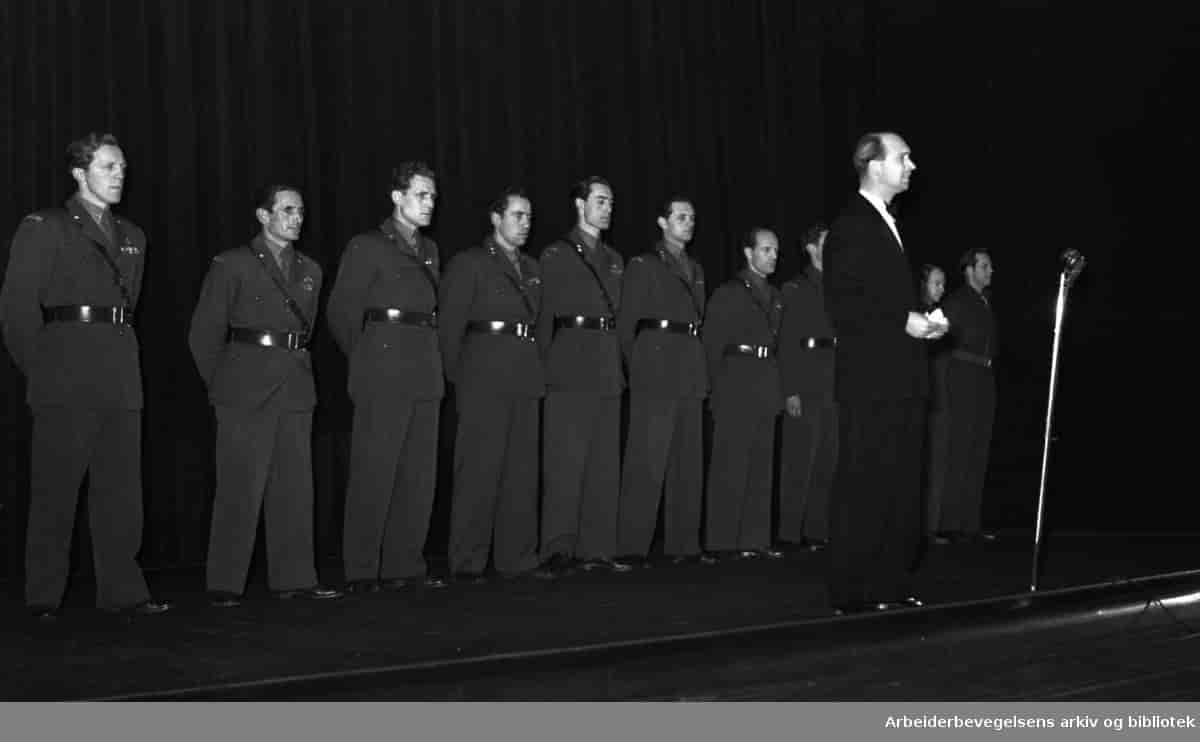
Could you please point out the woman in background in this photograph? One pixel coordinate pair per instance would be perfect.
(931, 291)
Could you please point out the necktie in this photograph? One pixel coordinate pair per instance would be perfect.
(287, 259)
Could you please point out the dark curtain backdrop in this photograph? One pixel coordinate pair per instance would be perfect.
(1021, 125)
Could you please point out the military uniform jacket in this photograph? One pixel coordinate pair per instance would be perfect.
(481, 284)
(580, 360)
(805, 372)
(387, 361)
(56, 260)
(739, 314)
(972, 323)
(663, 364)
(239, 292)
(869, 291)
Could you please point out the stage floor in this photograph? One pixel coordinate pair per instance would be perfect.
(751, 629)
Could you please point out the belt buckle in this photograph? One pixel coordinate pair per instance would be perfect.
(760, 352)
(694, 329)
(295, 341)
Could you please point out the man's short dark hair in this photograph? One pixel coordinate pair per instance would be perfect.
(750, 236)
(500, 205)
(812, 235)
(665, 210)
(868, 149)
(970, 256)
(267, 195)
(583, 188)
(81, 151)
(403, 174)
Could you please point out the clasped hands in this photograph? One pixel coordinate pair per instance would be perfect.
(930, 326)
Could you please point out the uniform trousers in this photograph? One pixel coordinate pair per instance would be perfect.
(741, 469)
(971, 408)
(106, 444)
(663, 448)
(809, 451)
(264, 465)
(495, 484)
(875, 523)
(389, 498)
(581, 470)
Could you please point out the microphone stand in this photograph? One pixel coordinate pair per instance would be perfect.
(1074, 263)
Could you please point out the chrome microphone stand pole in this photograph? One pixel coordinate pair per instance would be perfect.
(1074, 263)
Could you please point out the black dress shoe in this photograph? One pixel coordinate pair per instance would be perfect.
(220, 599)
(363, 587)
(145, 608)
(44, 613)
(607, 565)
(405, 583)
(468, 578)
(856, 608)
(560, 565)
(985, 537)
(942, 538)
(703, 558)
(771, 553)
(816, 544)
(317, 592)
(746, 554)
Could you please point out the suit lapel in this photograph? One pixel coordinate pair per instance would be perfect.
(90, 228)
(882, 227)
(675, 268)
(510, 272)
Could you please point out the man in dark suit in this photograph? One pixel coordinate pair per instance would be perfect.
(73, 280)
(881, 382)
(383, 313)
(970, 399)
(249, 337)
(662, 308)
(740, 339)
(809, 430)
(576, 333)
(489, 303)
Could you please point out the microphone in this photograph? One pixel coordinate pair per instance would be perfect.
(1073, 262)
(1073, 259)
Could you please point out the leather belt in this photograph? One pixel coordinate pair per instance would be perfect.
(579, 322)
(88, 313)
(523, 330)
(814, 343)
(969, 357)
(400, 317)
(268, 338)
(666, 325)
(751, 351)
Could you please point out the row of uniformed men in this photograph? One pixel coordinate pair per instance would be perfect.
(505, 329)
